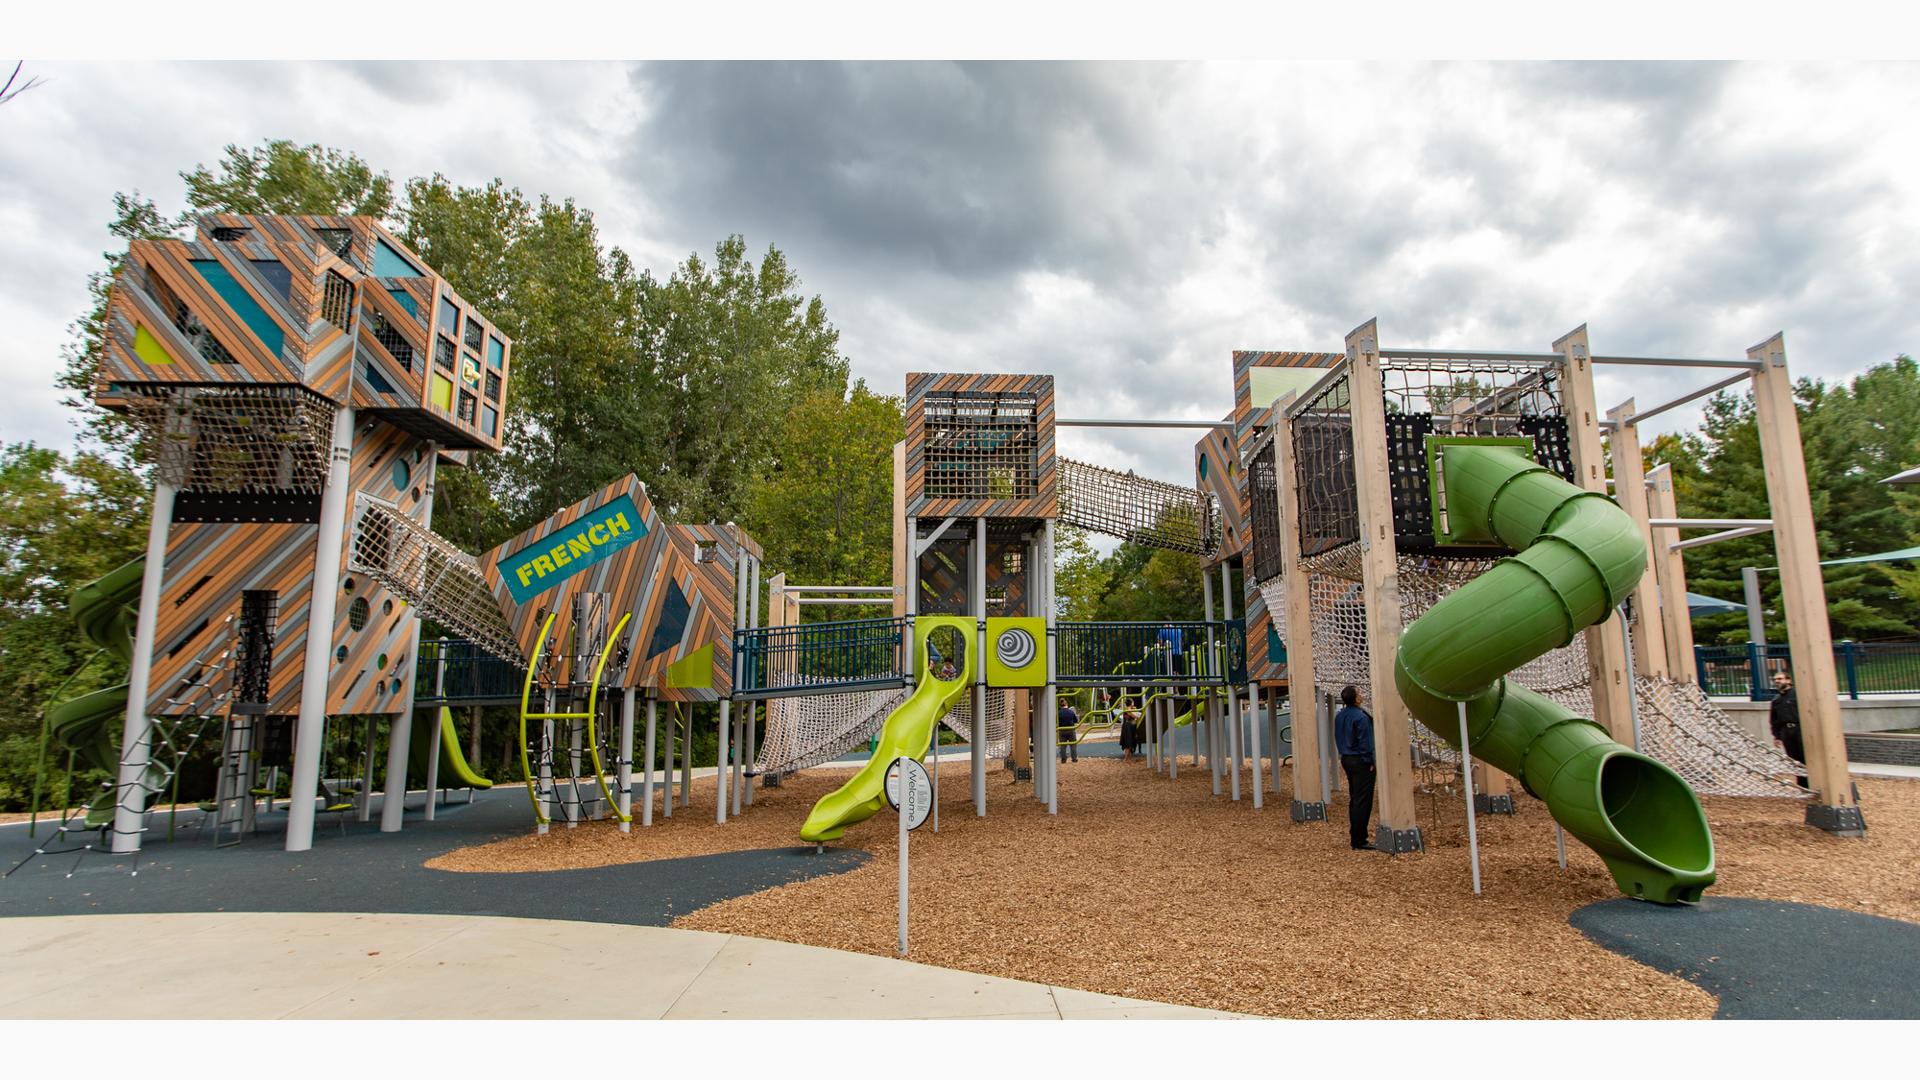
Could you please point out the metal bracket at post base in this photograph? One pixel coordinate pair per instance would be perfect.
(1484, 803)
(1838, 820)
(1398, 841)
(1022, 772)
(1307, 811)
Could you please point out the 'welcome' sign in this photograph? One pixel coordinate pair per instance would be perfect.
(566, 551)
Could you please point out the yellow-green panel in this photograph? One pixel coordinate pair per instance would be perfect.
(148, 348)
(693, 671)
(442, 391)
(1266, 385)
(1017, 651)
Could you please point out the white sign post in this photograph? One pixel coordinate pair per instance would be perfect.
(910, 791)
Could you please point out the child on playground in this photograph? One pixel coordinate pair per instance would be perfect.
(1129, 733)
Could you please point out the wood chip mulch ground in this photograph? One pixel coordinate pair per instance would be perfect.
(1156, 889)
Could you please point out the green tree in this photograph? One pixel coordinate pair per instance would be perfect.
(1853, 436)
(822, 507)
(63, 522)
(733, 346)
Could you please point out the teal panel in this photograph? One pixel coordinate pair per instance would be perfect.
(496, 352)
(390, 263)
(405, 299)
(243, 304)
(564, 552)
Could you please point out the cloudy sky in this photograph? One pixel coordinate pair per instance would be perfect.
(1123, 226)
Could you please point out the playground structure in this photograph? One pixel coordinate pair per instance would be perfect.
(1433, 525)
(296, 382)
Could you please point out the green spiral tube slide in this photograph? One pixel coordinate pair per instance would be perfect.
(1579, 556)
(908, 733)
(105, 612)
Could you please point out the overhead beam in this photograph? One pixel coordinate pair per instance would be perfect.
(1710, 523)
(1647, 414)
(1730, 534)
(920, 548)
(1144, 423)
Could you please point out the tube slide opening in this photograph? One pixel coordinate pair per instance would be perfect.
(1653, 810)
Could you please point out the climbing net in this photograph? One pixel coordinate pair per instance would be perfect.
(801, 732)
(245, 440)
(1138, 510)
(999, 725)
(422, 568)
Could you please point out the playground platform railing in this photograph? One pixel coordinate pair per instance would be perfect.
(820, 658)
(1862, 668)
(1174, 653)
(453, 671)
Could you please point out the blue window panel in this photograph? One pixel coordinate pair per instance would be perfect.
(489, 420)
(390, 263)
(673, 621)
(376, 382)
(277, 275)
(242, 302)
(449, 319)
(496, 352)
(405, 300)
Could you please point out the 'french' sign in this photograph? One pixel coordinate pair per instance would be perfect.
(571, 548)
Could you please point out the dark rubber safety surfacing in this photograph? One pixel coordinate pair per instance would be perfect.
(1770, 959)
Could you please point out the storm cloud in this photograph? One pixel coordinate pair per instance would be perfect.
(1122, 226)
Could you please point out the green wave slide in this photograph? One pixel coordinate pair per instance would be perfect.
(908, 732)
(1579, 556)
(91, 724)
(420, 748)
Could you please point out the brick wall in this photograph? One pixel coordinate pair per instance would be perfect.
(1884, 749)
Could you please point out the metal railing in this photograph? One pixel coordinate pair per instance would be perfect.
(1862, 668)
(453, 670)
(1175, 653)
(814, 658)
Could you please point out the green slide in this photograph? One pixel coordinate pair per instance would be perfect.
(1579, 556)
(420, 746)
(907, 733)
(91, 723)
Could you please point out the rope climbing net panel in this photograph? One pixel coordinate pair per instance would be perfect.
(1708, 748)
(1152, 513)
(981, 444)
(959, 720)
(237, 440)
(422, 568)
(801, 732)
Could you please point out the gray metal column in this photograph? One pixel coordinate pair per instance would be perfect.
(136, 733)
(977, 750)
(400, 736)
(310, 734)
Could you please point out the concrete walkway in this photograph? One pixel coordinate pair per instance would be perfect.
(308, 966)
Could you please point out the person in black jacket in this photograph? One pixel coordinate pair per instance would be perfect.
(1784, 719)
(1353, 737)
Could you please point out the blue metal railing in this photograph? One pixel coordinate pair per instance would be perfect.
(1859, 667)
(469, 674)
(1172, 653)
(815, 658)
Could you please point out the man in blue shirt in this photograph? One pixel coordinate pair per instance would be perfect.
(1353, 737)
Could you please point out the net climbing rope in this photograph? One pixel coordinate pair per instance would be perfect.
(425, 570)
(1152, 513)
(801, 732)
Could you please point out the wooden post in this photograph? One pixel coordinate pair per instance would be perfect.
(1309, 801)
(1398, 830)
(1606, 658)
(1630, 491)
(1670, 568)
(1020, 716)
(1802, 593)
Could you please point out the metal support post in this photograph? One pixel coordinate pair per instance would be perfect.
(1233, 702)
(646, 782)
(977, 745)
(1052, 699)
(1466, 784)
(626, 759)
(310, 732)
(136, 733)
